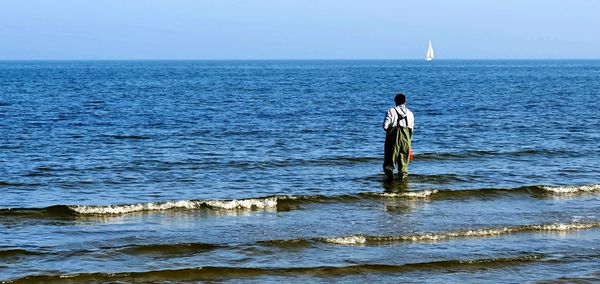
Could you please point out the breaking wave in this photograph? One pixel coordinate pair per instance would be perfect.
(183, 204)
(409, 194)
(432, 237)
(287, 202)
(172, 249)
(62, 211)
(271, 202)
(572, 189)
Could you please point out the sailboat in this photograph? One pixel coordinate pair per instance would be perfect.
(429, 55)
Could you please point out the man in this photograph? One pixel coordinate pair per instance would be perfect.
(398, 125)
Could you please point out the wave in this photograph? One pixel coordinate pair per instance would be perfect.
(439, 178)
(288, 202)
(538, 191)
(282, 202)
(427, 156)
(11, 253)
(572, 189)
(362, 239)
(181, 248)
(129, 137)
(535, 190)
(55, 211)
(6, 184)
(293, 243)
(409, 194)
(431, 237)
(260, 203)
(212, 273)
(320, 162)
(442, 156)
(279, 202)
(173, 249)
(90, 210)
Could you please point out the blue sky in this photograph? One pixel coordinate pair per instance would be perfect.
(294, 29)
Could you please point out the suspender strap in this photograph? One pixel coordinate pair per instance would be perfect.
(398, 120)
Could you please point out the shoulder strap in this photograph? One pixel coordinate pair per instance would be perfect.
(399, 117)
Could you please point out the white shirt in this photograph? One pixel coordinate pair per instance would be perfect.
(391, 119)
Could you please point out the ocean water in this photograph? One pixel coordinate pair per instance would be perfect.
(269, 171)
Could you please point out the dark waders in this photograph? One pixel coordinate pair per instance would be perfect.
(396, 149)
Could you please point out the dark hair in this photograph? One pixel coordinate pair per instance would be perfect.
(400, 99)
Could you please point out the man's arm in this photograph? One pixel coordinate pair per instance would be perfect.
(387, 123)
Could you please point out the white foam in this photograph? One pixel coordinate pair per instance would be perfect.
(182, 204)
(566, 227)
(572, 189)
(291, 197)
(244, 203)
(437, 237)
(349, 240)
(489, 232)
(411, 194)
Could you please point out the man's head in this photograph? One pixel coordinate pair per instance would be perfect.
(400, 99)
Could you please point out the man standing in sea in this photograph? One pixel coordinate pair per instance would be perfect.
(398, 125)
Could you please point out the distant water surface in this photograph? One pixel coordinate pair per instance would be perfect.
(268, 171)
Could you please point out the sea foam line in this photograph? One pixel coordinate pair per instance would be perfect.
(410, 194)
(253, 203)
(413, 194)
(260, 203)
(572, 189)
(272, 201)
(489, 232)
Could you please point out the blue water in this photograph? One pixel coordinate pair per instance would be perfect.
(272, 170)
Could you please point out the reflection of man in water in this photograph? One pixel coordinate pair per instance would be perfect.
(398, 125)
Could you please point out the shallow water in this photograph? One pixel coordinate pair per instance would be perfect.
(267, 171)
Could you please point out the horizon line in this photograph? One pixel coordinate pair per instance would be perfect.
(285, 59)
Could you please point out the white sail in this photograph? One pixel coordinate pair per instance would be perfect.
(429, 55)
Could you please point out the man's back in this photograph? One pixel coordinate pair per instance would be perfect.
(399, 114)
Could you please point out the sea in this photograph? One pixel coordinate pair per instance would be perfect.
(271, 171)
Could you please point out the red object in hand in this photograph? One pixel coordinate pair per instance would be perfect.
(410, 155)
